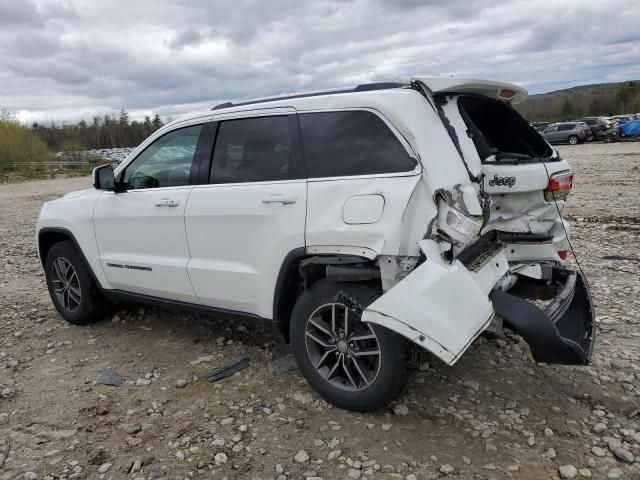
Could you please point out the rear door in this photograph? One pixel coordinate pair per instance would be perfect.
(361, 173)
(248, 213)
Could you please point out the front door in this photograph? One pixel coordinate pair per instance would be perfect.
(242, 224)
(141, 232)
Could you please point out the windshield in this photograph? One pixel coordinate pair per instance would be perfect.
(498, 131)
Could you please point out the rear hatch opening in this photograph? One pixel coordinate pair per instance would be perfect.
(500, 134)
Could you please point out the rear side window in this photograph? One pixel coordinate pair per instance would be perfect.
(338, 144)
(566, 126)
(253, 150)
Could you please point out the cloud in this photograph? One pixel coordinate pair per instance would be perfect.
(64, 60)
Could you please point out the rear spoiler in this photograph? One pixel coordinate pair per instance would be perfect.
(507, 92)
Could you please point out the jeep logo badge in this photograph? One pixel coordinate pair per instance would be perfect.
(497, 181)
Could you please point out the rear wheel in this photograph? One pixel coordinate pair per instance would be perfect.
(351, 364)
(71, 287)
(573, 140)
(610, 138)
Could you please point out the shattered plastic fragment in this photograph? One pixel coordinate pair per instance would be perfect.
(228, 370)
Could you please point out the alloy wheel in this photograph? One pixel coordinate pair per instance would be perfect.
(66, 284)
(344, 350)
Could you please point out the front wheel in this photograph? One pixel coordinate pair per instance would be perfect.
(71, 287)
(573, 140)
(353, 365)
(610, 138)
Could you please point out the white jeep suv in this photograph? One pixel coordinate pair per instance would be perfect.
(360, 222)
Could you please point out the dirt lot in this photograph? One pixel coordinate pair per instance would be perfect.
(495, 414)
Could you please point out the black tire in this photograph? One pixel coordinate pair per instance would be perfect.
(573, 140)
(392, 366)
(610, 138)
(92, 305)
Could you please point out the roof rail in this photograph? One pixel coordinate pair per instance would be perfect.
(365, 87)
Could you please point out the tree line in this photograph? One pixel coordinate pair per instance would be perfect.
(17, 143)
(603, 100)
(101, 132)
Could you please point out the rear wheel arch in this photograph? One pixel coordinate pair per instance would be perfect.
(298, 272)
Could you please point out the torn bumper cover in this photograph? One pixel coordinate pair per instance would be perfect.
(563, 332)
(440, 306)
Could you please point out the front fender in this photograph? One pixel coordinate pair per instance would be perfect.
(440, 306)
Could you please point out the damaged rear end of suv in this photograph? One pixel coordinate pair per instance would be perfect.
(498, 261)
(363, 222)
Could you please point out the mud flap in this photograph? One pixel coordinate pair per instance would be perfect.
(564, 332)
(440, 306)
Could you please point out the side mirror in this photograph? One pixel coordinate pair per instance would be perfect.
(103, 178)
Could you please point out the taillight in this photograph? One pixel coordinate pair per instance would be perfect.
(559, 186)
(563, 254)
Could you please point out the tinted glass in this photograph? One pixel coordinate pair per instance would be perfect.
(253, 150)
(566, 126)
(166, 162)
(351, 143)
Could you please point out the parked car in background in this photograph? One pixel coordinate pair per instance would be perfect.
(622, 119)
(540, 126)
(567, 132)
(596, 124)
(601, 128)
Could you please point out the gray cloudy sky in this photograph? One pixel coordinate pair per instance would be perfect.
(69, 59)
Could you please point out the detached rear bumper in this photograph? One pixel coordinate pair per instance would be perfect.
(563, 332)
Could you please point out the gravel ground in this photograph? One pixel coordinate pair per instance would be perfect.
(495, 414)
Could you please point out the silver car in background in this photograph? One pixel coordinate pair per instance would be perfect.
(567, 132)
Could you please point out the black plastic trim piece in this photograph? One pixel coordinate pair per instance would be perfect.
(485, 244)
(221, 313)
(524, 237)
(352, 273)
(285, 285)
(300, 168)
(204, 152)
(366, 87)
(564, 332)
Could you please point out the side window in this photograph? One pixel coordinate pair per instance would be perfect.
(166, 162)
(553, 128)
(347, 143)
(253, 150)
(565, 127)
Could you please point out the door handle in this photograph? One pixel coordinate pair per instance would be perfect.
(280, 198)
(167, 202)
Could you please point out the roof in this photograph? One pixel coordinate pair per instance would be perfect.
(497, 90)
(365, 87)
